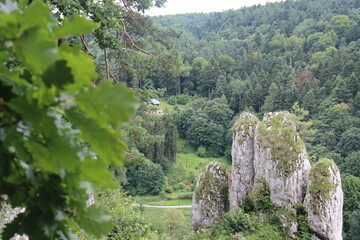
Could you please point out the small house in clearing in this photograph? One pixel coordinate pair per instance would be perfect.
(154, 102)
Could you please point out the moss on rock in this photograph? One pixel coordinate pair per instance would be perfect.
(321, 182)
(245, 123)
(278, 132)
(210, 200)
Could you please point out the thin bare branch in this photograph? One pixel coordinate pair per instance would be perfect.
(112, 76)
(130, 39)
(106, 64)
(83, 40)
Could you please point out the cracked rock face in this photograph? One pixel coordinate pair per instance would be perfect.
(210, 199)
(270, 150)
(280, 158)
(242, 174)
(324, 201)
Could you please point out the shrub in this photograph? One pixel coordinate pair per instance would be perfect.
(171, 100)
(201, 151)
(129, 223)
(260, 197)
(180, 99)
(187, 189)
(169, 189)
(303, 224)
(183, 99)
(237, 221)
(179, 186)
(162, 195)
(186, 195)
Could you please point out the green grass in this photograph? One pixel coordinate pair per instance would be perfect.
(156, 200)
(147, 199)
(179, 202)
(167, 108)
(169, 223)
(193, 163)
(177, 194)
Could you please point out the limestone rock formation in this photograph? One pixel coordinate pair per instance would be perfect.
(271, 172)
(242, 173)
(280, 158)
(272, 150)
(324, 201)
(210, 199)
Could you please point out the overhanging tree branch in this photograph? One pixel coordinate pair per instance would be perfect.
(131, 41)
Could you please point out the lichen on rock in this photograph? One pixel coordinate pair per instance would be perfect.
(324, 200)
(242, 152)
(245, 125)
(280, 158)
(277, 132)
(210, 199)
(271, 174)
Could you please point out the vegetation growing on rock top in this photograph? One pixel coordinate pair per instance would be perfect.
(278, 132)
(245, 122)
(321, 185)
(213, 181)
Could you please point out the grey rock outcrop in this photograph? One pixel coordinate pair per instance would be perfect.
(280, 158)
(270, 150)
(290, 226)
(210, 199)
(324, 201)
(271, 172)
(242, 174)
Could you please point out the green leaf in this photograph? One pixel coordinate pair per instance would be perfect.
(32, 113)
(36, 49)
(95, 221)
(104, 141)
(95, 172)
(37, 14)
(23, 3)
(9, 26)
(83, 73)
(54, 156)
(75, 26)
(107, 103)
(49, 150)
(58, 74)
(19, 85)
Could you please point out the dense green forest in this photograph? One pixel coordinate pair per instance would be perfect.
(206, 69)
(261, 59)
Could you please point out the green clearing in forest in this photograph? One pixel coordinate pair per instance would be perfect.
(157, 200)
(177, 202)
(193, 163)
(167, 108)
(169, 223)
(187, 158)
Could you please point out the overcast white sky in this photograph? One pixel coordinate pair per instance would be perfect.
(191, 6)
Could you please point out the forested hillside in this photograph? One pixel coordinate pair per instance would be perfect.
(302, 54)
(266, 58)
(67, 132)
